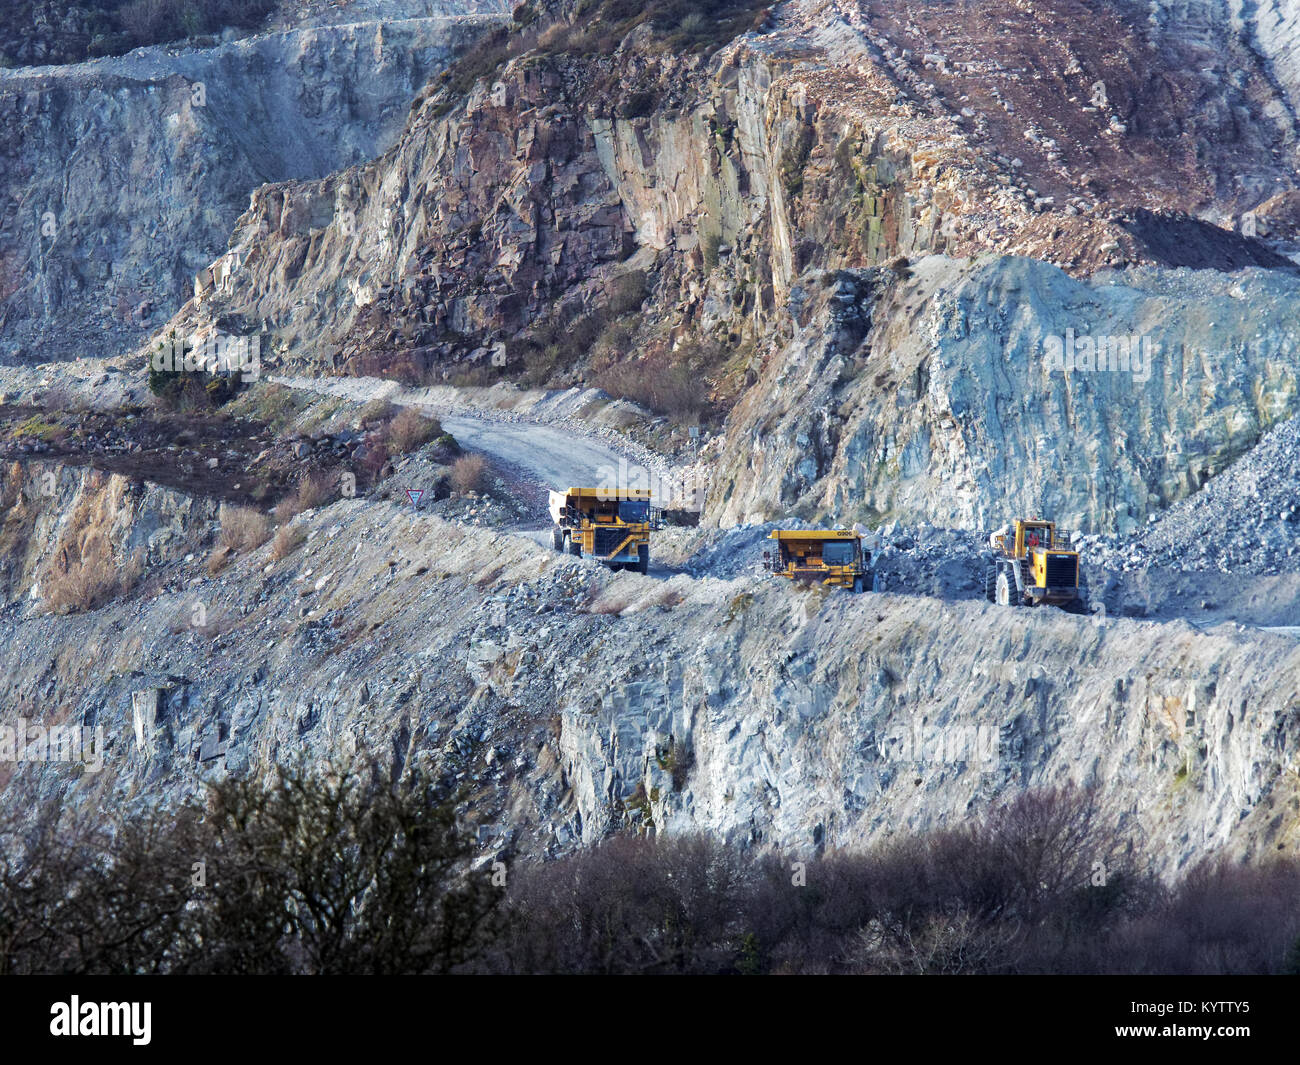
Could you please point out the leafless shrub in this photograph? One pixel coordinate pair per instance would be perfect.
(87, 891)
(343, 871)
(370, 875)
(632, 905)
(953, 943)
(376, 458)
(468, 474)
(1223, 917)
(410, 429)
(668, 382)
(947, 902)
(61, 397)
(1046, 845)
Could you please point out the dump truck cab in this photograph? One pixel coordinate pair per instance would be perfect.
(1034, 564)
(612, 525)
(833, 557)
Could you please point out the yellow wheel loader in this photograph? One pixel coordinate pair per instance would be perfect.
(612, 525)
(833, 557)
(1034, 564)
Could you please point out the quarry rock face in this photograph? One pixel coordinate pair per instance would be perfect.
(1004, 385)
(534, 191)
(131, 170)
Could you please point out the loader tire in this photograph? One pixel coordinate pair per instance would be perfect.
(991, 584)
(857, 586)
(1006, 593)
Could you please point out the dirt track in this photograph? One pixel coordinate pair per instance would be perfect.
(556, 457)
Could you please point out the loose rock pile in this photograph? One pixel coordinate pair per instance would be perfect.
(1245, 520)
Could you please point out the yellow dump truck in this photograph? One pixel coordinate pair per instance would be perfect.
(1034, 564)
(834, 557)
(612, 525)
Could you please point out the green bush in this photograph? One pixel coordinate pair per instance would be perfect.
(710, 242)
(197, 389)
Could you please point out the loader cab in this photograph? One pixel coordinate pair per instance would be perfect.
(1031, 535)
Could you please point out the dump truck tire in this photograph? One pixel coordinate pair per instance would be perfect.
(643, 558)
(557, 539)
(857, 586)
(574, 547)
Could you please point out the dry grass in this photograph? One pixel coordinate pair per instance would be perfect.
(243, 529)
(287, 540)
(625, 604)
(410, 429)
(489, 576)
(600, 598)
(468, 474)
(314, 489)
(217, 560)
(94, 578)
(552, 36)
(376, 411)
